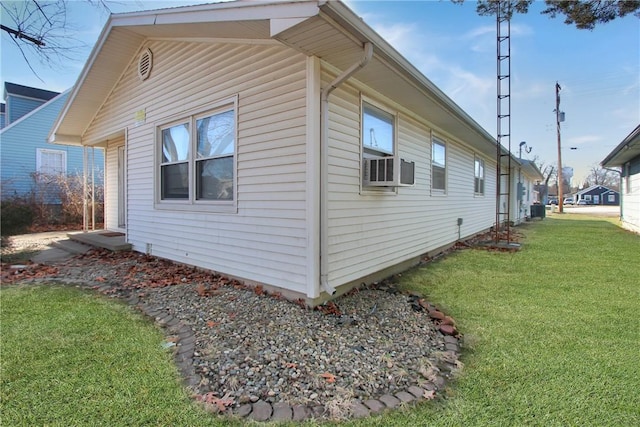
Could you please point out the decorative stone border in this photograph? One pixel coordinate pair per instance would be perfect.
(282, 412)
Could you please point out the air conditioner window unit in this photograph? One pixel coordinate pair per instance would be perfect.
(388, 172)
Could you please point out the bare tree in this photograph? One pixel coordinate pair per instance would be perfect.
(548, 173)
(601, 176)
(584, 14)
(41, 31)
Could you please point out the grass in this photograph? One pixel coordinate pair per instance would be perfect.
(554, 329)
(69, 357)
(551, 335)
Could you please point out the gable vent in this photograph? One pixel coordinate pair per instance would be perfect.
(144, 64)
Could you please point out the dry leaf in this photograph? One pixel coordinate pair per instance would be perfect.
(329, 377)
(429, 394)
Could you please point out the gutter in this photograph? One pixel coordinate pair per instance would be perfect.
(324, 163)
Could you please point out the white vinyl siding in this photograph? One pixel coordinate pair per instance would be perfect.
(266, 240)
(631, 201)
(372, 231)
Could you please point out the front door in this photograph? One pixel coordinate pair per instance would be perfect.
(122, 185)
(596, 199)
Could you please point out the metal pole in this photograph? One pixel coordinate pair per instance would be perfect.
(560, 195)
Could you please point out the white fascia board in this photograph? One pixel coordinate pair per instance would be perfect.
(60, 139)
(236, 11)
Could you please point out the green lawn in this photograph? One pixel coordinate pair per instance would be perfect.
(553, 330)
(71, 358)
(552, 335)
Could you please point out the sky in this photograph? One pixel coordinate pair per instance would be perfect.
(598, 71)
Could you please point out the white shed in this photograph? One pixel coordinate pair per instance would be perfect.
(283, 143)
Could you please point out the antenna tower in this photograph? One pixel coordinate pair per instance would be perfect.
(503, 155)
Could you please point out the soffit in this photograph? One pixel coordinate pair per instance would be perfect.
(341, 45)
(626, 151)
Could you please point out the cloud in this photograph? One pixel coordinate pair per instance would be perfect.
(584, 139)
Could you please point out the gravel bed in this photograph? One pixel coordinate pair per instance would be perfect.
(253, 347)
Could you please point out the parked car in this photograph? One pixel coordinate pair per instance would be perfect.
(582, 202)
(553, 201)
(567, 202)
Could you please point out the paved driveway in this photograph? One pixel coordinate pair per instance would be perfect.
(608, 211)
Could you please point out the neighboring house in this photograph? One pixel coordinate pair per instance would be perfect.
(527, 177)
(25, 152)
(598, 195)
(3, 116)
(21, 100)
(285, 144)
(626, 156)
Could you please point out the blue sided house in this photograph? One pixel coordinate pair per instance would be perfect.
(28, 114)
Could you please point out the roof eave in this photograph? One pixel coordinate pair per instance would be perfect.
(338, 10)
(618, 155)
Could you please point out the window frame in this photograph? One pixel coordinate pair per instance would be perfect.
(41, 151)
(435, 140)
(481, 179)
(367, 152)
(192, 202)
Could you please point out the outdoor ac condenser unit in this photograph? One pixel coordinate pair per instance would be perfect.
(388, 172)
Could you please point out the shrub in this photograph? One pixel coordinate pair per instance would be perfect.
(17, 216)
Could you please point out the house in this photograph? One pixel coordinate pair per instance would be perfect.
(3, 116)
(526, 193)
(284, 143)
(598, 195)
(21, 100)
(26, 153)
(626, 156)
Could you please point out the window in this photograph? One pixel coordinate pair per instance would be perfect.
(611, 198)
(587, 197)
(174, 170)
(478, 185)
(214, 159)
(438, 165)
(51, 162)
(198, 158)
(378, 131)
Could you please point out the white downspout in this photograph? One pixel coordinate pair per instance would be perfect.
(324, 163)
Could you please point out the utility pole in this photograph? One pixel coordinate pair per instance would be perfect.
(560, 195)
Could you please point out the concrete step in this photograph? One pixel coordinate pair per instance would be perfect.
(102, 239)
(71, 246)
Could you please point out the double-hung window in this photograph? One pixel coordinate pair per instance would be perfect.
(438, 165)
(198, 159)
(51, 162)
(378, 131)
(378, 135)
(478, 184)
